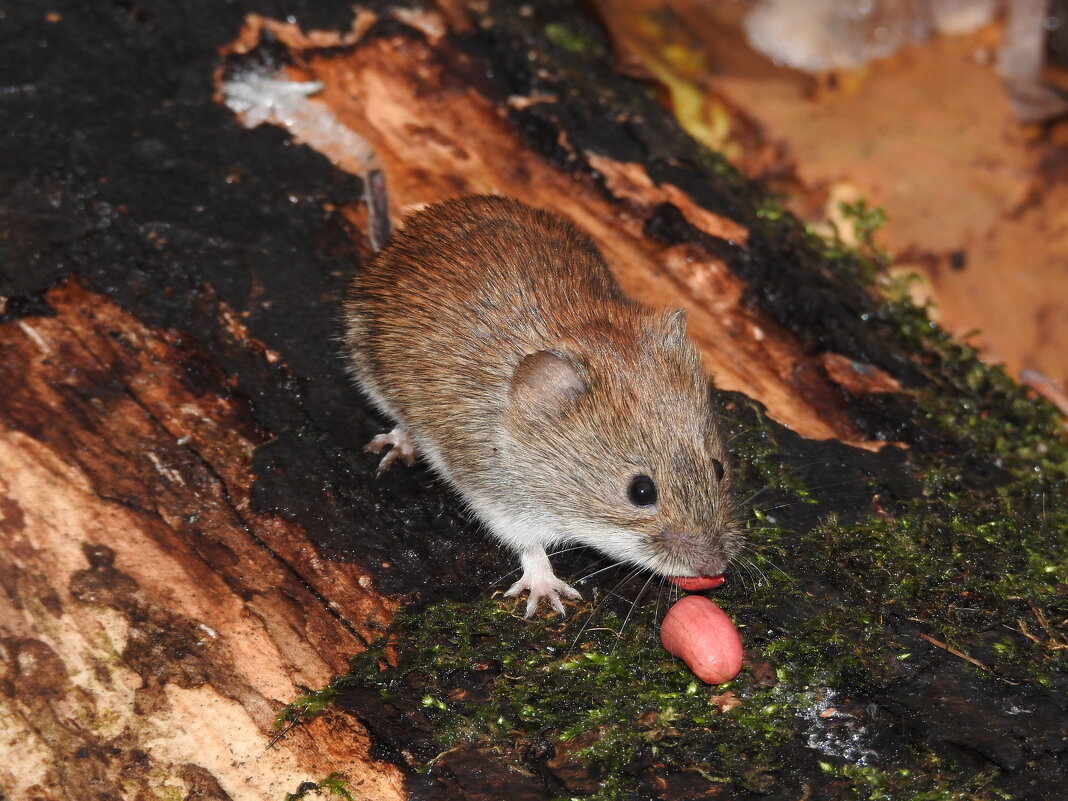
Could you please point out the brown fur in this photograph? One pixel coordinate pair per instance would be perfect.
(439, 322)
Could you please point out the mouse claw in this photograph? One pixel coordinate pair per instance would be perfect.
(543, 587)
(401, 446)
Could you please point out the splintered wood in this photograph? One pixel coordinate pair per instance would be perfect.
(149, 614)
(435, 136)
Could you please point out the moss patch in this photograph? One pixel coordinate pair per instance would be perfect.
(855, 626)
(904, 611)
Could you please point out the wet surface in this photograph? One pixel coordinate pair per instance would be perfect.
(119, 167)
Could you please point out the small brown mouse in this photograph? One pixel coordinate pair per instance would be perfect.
(561, 411)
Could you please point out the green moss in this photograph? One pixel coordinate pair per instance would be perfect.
(616, 694)
(874, 784)
(333, 785)
(620, 699)
(954, 563)
(992, 523)
(717, 164)
(754, 445)
(866, 222)
(984, 545)
(571, 40)
(306, 707)
(962, 558)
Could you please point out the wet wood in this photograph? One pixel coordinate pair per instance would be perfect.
(153, 623)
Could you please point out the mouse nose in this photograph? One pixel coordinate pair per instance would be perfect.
(693, 552)
(681, 544)
(677, 540)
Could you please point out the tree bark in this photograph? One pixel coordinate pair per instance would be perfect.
(190, 535)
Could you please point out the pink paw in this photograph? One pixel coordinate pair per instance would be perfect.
(401, 446)
(543, 588)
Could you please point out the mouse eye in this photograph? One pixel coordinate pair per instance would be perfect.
(717, 468)
(642, 491)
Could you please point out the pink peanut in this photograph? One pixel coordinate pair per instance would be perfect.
(701, 635)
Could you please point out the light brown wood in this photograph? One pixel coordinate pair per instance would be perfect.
(152, 625)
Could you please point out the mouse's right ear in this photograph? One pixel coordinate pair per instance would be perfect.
(547, 382)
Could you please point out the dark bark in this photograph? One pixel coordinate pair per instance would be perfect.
(190, 533)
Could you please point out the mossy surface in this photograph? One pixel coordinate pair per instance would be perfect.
(333, 786)
(835, 616)
(903, 611)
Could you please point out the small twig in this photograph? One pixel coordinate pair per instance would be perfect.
(446, 752)
(955, 652)
(284, 731)
(1027, 632)
(1041, 618)
(1056, 642)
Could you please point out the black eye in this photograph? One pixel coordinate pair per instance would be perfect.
(642, 491)
(717, 468)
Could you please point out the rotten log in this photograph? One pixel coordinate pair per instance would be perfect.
(191, 534)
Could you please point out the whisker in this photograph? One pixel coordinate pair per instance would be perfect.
(511, 572)
(656, 606)
(742, 432)
(588, 576)
(844, 482)
(599, 604)
(754, 495)
(760, 577)
(778, 478)
(776, 508)
(747, 567)
(756, 574)
(568, 549)
(767, 561)
(654, 628)
(615, 590)
(633, 606)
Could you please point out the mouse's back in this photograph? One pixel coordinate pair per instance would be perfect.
(438, 321)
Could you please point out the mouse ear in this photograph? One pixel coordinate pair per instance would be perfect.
(671, 326)
(547, 381)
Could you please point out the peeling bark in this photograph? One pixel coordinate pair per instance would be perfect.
(153, 624)
(435, 135)
(190, 535)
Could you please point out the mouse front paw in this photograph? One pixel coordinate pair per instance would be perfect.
(538, 578)
(549, 590)
(401, 446)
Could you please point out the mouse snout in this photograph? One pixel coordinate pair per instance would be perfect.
(690, 553)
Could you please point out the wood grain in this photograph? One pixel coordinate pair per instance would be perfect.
(151, 623)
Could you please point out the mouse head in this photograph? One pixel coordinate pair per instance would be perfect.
(615, 446)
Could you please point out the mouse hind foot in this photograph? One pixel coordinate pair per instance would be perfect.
(539, 579)
(401, 446)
